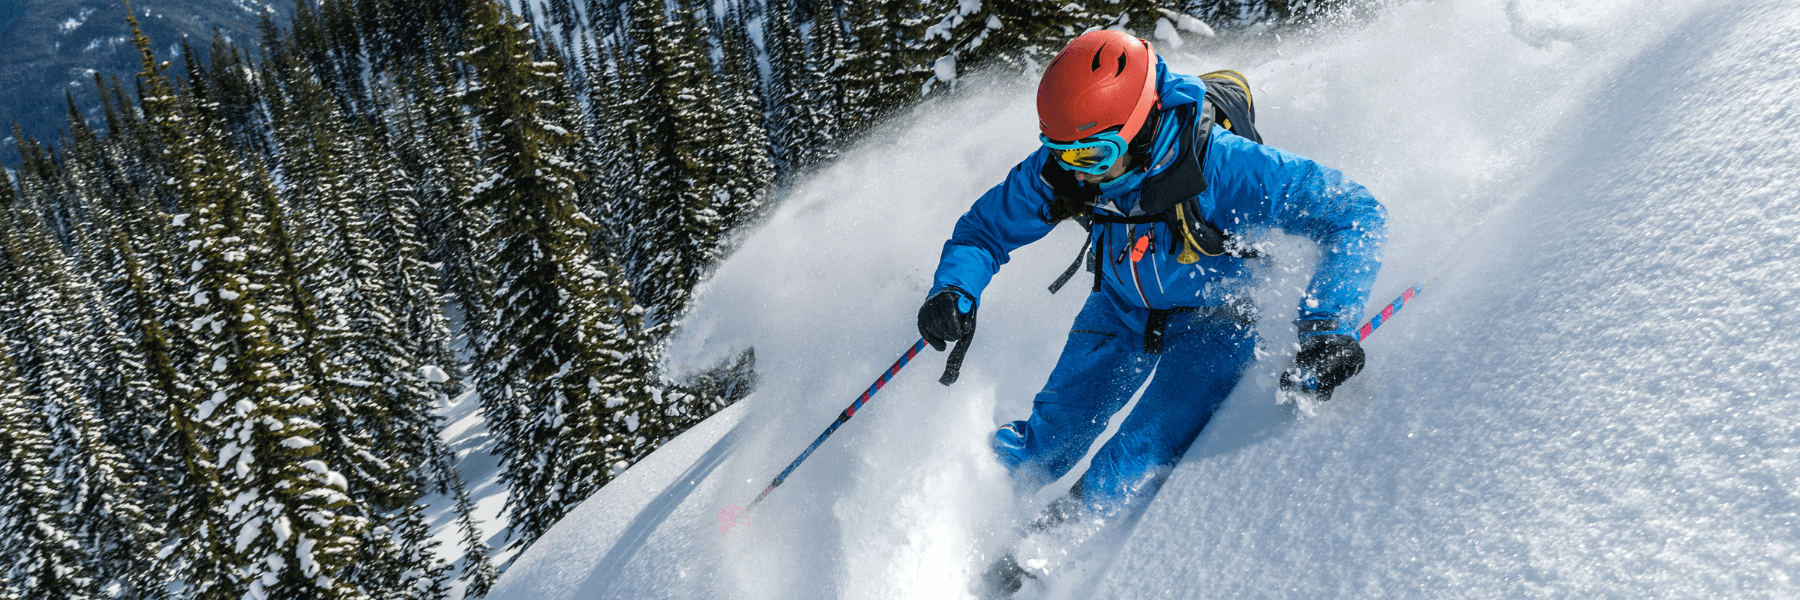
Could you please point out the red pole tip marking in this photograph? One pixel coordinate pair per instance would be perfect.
(1407, 296)
(1366, 329)
(1387, 313)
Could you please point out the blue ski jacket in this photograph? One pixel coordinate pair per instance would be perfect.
(1251, 188)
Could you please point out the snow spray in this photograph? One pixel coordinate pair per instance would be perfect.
(732, 516)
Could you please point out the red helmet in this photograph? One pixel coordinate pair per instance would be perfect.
(1103, 79)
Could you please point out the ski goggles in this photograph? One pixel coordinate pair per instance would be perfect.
(1094, 155)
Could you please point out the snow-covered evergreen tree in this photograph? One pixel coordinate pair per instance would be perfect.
(377, 404)
(127, 356)
(677, 224)
(451, 220)
(268, 520)
(803, 112)
(127, 407)
(419, 361)
(565, 352)
(882, 71)
(478, 570)
(745, 167)
(825, 56)
(619, 99)
(375, 407)
(41, 557)
(697, 396)
(49, 345)
(38, 557)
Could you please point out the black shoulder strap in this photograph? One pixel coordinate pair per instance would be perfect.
(1186, 176)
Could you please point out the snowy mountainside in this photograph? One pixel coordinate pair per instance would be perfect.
(1591, 399)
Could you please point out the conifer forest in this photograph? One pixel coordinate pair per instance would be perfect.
(231, 308)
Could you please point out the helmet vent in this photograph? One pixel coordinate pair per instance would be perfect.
(1121, 70)
(1088, 126)
(1097, 54)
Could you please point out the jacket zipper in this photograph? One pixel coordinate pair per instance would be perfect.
(1131, 238)
(1157, 272)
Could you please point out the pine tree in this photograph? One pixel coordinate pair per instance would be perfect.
(620, 182)
(267, 520)
(95, 168)
(416, 344)
(374, 405)
(478, 567)
(744, 165)
(564, 351)
(43, 189)
(702, 165)
(117, 385)
(698, 396)
(824, 72)
(673, 226)
(38, 558)
(235, 91)
(136, 155)
(562, 15)
(604, 18)
(881, 71)
(598, 92)
(99, 491)
(41, 558)
(377, 28)
(803, 124)
(129, 358)
(378, 405)
(456, 217)
(423, 334)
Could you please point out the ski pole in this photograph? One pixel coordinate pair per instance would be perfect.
(1388, 311)
(729, 516)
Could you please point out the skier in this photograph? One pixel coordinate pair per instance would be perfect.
(1168, 173)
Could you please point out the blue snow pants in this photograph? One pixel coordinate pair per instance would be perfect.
(1101, 366)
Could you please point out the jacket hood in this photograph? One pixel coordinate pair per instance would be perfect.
(1176, 89)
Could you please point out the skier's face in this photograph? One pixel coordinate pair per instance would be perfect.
(1119, 168)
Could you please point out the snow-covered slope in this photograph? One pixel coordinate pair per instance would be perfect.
(1592, 398)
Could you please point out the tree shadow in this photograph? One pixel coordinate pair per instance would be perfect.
(637, 534)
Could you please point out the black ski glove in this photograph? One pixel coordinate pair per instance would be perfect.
(947, 316)
(1323, 363)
